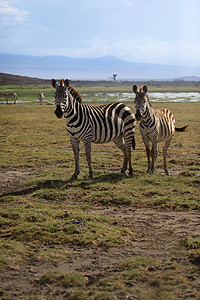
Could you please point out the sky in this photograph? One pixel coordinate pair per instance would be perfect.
(149, 31)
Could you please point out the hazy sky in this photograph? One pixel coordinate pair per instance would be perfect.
(154, 31)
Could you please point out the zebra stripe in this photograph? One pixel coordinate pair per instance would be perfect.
(99, 124)
(156, 125)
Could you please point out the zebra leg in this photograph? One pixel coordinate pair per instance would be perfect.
(129, 163)
(119, 142)
(128, 155)
(154, 154)
(148, 152)
(75, 147)
(87, 145)
(166, 146)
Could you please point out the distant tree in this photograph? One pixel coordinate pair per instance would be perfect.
(114, 77)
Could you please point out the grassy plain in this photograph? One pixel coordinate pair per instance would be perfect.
(30, 92)
(109, 238)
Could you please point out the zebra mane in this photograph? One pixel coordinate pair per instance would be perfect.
(148, 100)
(62, 82)
(147, 96)
(76, 95)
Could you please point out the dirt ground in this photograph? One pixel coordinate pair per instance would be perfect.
(157, 234)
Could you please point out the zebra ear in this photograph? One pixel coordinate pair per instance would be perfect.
(135, 88)
(54, 83)
(66, 82)
(145, 89)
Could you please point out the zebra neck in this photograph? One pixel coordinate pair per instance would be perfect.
(147, 114)
(72, 109)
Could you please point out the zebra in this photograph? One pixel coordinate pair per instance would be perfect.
(156, 125)
(40, 97)
(99, 124)
(9, 96)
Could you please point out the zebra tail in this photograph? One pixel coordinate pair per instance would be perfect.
(133, 142)
(181, 128)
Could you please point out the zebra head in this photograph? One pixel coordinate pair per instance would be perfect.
(61, 96)
(141, 100)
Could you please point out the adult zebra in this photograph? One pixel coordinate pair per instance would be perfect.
(99, 124)
(156, 125)
(9, 96)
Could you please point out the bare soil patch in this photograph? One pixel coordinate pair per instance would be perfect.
(157, 234)
(11, 179)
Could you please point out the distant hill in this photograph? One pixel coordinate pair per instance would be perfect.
(11, 79)
(188, 78)
(101, 68)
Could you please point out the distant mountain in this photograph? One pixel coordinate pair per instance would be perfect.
(188, 78)
(89, 68)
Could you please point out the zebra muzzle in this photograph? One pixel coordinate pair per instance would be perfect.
(58, 112)
(138, 115)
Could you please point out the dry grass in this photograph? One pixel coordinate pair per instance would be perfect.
(45, 215)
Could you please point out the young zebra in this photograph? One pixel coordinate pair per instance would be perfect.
(40, 97)
(156, 125)
(9, 96)
(99, 124)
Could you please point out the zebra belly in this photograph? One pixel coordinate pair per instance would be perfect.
(102, 138)
(160, 130)
(166, 130)
(107, 133)
(81, 132)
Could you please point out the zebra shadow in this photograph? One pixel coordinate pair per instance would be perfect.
(46, 184)
(111, 177)
(56, 184)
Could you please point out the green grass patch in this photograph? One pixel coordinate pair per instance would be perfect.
(43, 224)
(38, 225)
(66, 280)
(191, 243)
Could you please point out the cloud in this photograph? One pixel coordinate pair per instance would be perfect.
(144, 50)
(9, 14)
(128, 2)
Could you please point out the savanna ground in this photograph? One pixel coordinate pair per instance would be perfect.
(114, 237)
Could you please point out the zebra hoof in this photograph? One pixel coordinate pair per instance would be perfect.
(151, 171)
(130, 172)
(74, 177)
(90, 176)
